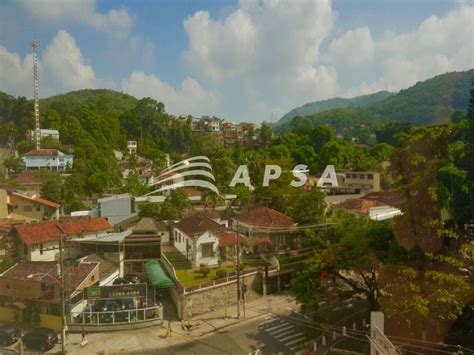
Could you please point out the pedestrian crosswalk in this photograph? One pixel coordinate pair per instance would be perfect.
(288, 334)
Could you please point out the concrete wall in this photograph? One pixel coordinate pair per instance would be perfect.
(207, 300)
(115, 208)
(43, 252)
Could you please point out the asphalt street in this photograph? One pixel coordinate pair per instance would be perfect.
(271, 335)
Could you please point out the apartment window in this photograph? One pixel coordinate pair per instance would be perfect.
(27, 208)
(207, 250)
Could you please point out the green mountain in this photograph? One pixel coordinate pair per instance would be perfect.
(431, 101)
(71, 102)
(319, 106)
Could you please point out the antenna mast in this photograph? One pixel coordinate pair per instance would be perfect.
(34, 45)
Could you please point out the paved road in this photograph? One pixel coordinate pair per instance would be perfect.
(270, 334)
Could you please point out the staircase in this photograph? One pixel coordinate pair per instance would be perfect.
(175, 257)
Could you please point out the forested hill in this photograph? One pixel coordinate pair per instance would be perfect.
(431, 101)
(337, 102)
(72, 101)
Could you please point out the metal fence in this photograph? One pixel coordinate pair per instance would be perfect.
(117, 317)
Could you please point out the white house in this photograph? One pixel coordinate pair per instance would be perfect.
(196, 237)
(51, 159)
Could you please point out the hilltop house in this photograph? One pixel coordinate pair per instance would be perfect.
(51, 159)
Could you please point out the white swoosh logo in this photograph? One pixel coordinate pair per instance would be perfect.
(176, 171)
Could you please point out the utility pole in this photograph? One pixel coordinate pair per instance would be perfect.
(34, 45)
(61, 287)
(238, 269)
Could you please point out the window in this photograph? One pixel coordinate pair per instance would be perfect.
(370, 176)
(38, 208)
(207, 250)
(25, 249)
(27, 208)
(41, 248)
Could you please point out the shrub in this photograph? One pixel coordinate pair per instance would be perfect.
(221, 273)
(204, 270)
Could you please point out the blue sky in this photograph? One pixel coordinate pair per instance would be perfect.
(250, 60)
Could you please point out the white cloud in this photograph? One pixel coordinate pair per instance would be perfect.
(61, 68)
(115, 21)
(439, 45)
(353, 47)
(191, 98)
(64, 64)
(269, 49)
(16, 73)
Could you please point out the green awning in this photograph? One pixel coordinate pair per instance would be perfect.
(157, 276)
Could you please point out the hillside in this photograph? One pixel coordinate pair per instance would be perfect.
(431, 101)
(319, 106)
(72, 101)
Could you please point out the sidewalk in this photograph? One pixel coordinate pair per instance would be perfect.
(155, 337)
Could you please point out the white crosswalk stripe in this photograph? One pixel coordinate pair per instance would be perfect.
(287, 333)
(290, 336)
(299, 340)
(281, 330)
(276, 327)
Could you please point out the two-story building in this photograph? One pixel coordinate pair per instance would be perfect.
(29, 208)
(32, 289)
(51, 159)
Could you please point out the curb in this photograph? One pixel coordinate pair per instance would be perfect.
(216, 329)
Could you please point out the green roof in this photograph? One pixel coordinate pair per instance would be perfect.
(157, 275)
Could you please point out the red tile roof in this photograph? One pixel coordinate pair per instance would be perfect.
(358, 205)
(35, 233)
(42, 153)
(44, 271)
(39, 200)
(198, 224)
(386, 197)
(264, 217)
(6, 224)
(229, 239)
(28, 178)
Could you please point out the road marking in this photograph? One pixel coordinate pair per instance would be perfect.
(290, 336)
(281, 330)
(267, 321)
(295, 341)
(276, 327)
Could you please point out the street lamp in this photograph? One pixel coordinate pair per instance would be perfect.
(63, 314)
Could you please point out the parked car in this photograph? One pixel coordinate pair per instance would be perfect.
(134, 279)
(9, 335)
(42, 339)
(121, 281)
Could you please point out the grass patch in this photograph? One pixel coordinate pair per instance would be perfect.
(189, 278)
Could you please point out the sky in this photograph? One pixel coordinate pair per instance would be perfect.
(248, 60)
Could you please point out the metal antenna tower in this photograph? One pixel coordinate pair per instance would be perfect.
(34, 45)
